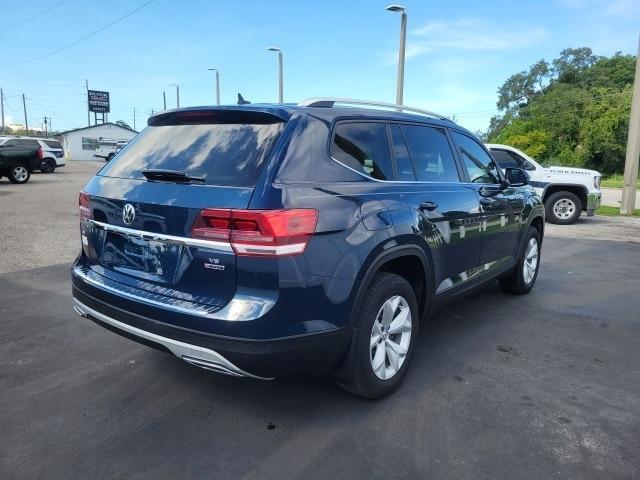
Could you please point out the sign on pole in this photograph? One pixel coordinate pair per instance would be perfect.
(98, 101)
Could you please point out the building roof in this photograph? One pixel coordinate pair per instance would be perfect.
(99, 125)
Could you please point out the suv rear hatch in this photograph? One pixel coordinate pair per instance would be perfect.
(138, 214)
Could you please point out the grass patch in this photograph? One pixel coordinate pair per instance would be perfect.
(613, 211)
(616, 181)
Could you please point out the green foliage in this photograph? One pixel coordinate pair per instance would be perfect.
(574, 112)
(123, 124)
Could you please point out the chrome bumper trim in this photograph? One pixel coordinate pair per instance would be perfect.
(193, 354)
(161, 237)
(593, 202)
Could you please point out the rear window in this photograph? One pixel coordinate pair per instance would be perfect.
(225, 154)
(52, 144)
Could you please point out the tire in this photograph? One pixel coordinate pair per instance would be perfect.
(357, 373)
(109, 157)
(524, 276)
(563, 208)
(19, 173)
(48, 166)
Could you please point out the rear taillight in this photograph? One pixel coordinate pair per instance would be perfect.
(84, 202)
(40, 153)
(258, 232)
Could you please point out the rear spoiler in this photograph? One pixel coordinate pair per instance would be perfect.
(219, 115)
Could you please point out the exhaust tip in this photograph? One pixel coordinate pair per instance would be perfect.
(79, 311)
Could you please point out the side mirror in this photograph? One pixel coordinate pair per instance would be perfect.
(527, 165)
(517, 177)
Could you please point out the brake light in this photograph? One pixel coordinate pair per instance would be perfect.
(84, 202)
(40, 153)
(258, 232)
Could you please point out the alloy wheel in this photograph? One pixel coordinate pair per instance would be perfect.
(390, 337)
(530, 261)
(20, 173)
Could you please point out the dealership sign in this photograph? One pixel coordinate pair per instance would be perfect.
(98, 101)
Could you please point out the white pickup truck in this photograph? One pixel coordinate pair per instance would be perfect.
(565, 191)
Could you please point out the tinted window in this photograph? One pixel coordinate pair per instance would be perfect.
(23, 142)
(401, 154)
(478, 163)
(52, 144)
(223, 154)
(507, 159)
(363, 147)
(11, 143)
(431, 154)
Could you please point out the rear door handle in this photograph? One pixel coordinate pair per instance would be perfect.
(428, 206)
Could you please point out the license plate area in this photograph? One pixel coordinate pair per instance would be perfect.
(148, 259)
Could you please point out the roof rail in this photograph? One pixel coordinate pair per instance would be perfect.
(328, 102)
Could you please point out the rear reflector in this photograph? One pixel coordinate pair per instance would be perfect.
(84, 202)
(258, 232)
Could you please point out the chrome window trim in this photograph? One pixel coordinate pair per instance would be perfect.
(418, 182)
(161, 237)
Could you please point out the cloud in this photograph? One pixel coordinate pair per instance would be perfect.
(471, 34)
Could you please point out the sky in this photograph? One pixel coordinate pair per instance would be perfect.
(458, 52)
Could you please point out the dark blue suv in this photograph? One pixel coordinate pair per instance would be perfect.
(267, 240)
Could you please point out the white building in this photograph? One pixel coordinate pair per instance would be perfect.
(81, 143)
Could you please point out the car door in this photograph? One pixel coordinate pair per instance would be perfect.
(501, 205)
(447, 213)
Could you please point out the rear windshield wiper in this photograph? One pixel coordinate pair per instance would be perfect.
(170, 176)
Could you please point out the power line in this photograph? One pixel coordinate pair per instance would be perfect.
(82, 39)
(35, 15)
(52, 113)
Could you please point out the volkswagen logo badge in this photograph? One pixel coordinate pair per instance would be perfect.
(128, 214)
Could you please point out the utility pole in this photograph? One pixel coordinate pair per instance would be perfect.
(134, 118)
(2, 107)
(86, 84)
(45, 126)
(24, 107)
(164, 99)
(628, 203)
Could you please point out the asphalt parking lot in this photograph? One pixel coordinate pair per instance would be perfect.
(541, 386)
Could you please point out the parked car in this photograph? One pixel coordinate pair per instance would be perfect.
(53, 153)
(265, 240)
(565, 191)
(17, 163)
(108, 148)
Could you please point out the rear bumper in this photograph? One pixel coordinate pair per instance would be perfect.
(241, 357)
(593, 202)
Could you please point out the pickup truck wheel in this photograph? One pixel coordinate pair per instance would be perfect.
(110, 156)
(563, 208)
(19, 174)
(383, 338)
(523, 278)
(48, 166)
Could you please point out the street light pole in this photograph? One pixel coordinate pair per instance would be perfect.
(177, 94)
(164, 99)
(280, 74)
(217, 84)
(401, 51)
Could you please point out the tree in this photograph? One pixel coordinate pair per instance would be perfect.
(521, 88)
(123, 124)
(575, 112)
(572, 62)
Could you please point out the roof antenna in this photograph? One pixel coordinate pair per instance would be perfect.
(241, 100)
